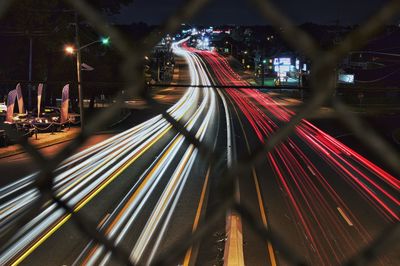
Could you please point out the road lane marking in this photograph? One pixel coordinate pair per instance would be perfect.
(270, 249)
(348, 221)
(41, 240)
(26, 253)
(188, 255)
(264, 218)
(85, 200)
(259, 197)
(142, 184)
(103, 221)
(233, 253)
(148, 231)
(133, 197)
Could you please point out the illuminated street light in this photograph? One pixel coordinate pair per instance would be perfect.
(69, 49)
(105, 41)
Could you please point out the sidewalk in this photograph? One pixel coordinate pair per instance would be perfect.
(43, 140)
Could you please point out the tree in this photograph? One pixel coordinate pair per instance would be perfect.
(49, 25)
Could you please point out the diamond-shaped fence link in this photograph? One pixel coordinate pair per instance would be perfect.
(133, 54)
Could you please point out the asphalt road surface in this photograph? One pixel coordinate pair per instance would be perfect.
(147, 186)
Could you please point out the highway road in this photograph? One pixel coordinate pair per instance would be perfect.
(320, 195)
(147, 185)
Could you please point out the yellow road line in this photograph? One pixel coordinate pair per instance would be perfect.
(270, 248)
(347, 219)
(264, 217)
(86, 200)
(197, 217)
(146, 179)
(103, 221)
(134, 195)
(41, 240)
(139, 189)
(233, 254)
(123, 169)
(27, 252)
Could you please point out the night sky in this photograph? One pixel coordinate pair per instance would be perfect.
(243, 13)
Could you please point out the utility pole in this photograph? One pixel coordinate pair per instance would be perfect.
(78, 69)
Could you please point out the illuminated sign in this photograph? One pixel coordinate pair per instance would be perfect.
(346, 78)
(281, 69)
(283, 61)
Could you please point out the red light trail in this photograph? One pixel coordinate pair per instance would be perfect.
(301, 179)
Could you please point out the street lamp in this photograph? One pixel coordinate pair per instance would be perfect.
(71, 50)
(105, 41)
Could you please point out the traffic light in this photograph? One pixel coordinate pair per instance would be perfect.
(105, 41)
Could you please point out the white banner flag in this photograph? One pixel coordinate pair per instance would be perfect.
(12, 95)
(20, 98)
(65, 104)
(39, 98)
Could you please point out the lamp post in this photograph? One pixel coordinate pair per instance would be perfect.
(78, 69)
(69, 49)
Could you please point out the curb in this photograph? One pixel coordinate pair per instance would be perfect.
(42, 146)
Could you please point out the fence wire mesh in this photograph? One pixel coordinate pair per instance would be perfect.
(133, 53)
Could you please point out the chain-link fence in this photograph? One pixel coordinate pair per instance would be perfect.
(133, 54)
